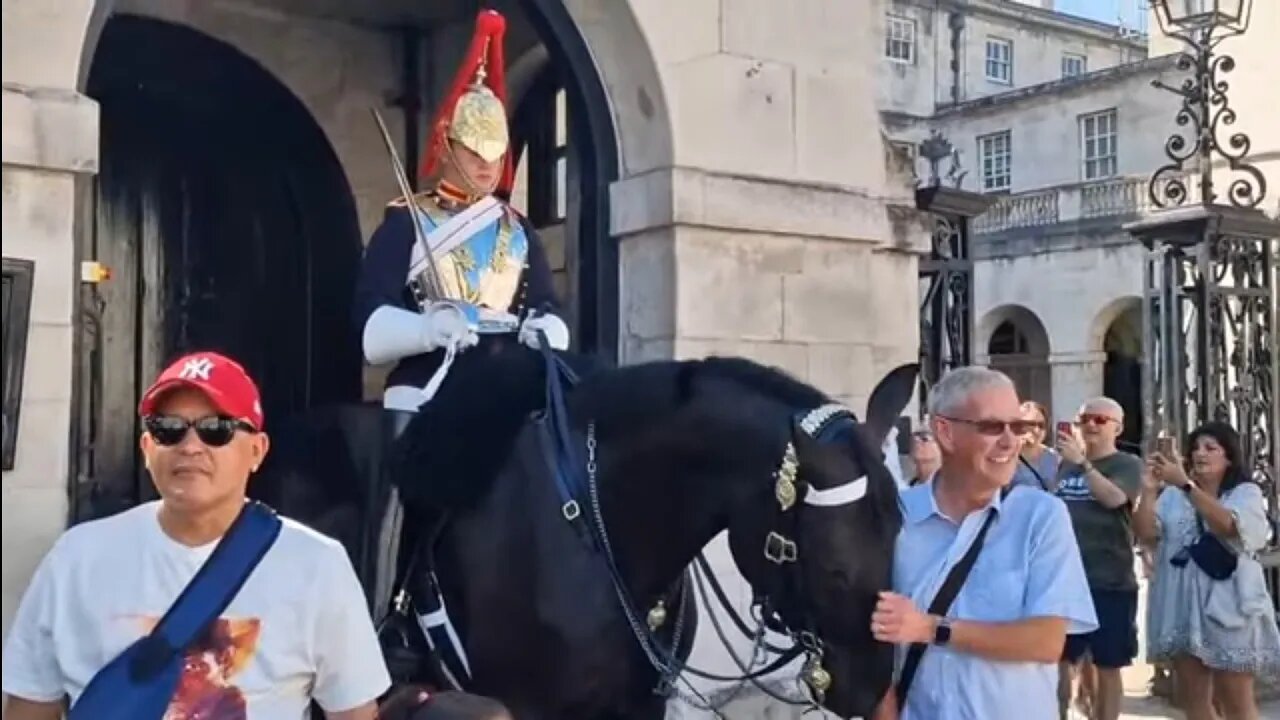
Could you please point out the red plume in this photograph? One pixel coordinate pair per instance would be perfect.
(490, 29)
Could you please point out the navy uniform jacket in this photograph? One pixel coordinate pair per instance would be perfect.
(383, 281)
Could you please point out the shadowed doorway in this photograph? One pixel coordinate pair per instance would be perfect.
(227, 223)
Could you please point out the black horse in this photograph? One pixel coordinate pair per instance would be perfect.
(679, 452)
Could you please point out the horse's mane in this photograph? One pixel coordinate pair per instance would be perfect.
(454, 449)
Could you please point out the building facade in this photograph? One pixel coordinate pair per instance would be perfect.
(1058, 118)
(695, 166)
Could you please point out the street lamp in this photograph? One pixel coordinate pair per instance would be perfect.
(1202, 25)
(1199, 14)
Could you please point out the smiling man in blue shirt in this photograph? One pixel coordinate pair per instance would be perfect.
(993, 654)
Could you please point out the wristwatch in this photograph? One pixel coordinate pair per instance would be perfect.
(942, 632)
(1189, 486)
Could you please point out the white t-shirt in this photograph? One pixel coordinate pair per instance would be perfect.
(298, 629)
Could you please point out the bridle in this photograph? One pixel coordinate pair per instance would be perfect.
(783, 589)
(782, 593)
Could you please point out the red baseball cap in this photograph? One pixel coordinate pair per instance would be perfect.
(226, 384)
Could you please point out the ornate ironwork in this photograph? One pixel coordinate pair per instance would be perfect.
(1211, 314)
(946, 303)
(1209, 117)
(935, 149)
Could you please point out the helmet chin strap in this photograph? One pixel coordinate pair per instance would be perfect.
(471, 185)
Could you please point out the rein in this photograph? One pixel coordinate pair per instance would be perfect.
(577, 488)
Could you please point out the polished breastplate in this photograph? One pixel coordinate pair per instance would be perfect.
(484, 269)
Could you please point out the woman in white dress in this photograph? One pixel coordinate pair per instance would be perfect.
(1219, 634)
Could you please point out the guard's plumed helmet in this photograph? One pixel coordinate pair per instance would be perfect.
(474, 112)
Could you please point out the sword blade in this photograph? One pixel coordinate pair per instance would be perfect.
(435, 287)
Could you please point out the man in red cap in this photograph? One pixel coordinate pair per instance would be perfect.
(297, 630)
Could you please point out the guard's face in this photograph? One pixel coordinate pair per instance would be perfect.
(466, 169)
(194, 473)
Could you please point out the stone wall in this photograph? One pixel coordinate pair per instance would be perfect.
(50, 146)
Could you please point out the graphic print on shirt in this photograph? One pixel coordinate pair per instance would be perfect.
(1074, 488)
(206, 690)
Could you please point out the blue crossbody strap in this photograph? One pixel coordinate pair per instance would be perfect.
(212, 589)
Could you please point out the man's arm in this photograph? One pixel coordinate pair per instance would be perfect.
(1105, 491)
(15, 708)
(1035, 639)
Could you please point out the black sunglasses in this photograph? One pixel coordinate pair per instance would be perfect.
(214, 431)
(995, 428)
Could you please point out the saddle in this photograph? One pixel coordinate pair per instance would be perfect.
(418, 602)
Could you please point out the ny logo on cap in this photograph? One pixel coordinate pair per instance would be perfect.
(196, 369)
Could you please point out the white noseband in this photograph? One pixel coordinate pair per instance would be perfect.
(849, 492)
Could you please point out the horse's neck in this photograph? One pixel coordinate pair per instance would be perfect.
(664, 500)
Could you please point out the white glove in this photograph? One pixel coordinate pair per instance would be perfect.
(557, 332)
(444, 325)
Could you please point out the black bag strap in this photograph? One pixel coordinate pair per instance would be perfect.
(214, 586)
(1044, 485)
(945, 597)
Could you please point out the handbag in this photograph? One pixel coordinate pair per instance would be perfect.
(1212, 555)
(140, 682)
(946, 596)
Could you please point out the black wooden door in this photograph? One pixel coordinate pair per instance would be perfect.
(228, 225)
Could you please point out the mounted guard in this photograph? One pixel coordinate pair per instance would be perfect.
(451, 275)
(456, 269)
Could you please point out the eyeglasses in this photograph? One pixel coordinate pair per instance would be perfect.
(1092, 419)
(922, 435)
(214, 431)
(995, 428)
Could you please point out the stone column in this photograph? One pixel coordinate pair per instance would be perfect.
(50, 147)
(1076, 377)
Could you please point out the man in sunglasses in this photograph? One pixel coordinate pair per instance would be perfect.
(991, 652)
(1100, 485)
(297, 630)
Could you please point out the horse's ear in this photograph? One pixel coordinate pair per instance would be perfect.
(888, 400)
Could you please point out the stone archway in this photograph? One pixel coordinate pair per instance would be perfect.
(1117, 332)
(1017, 344)
(223, 229)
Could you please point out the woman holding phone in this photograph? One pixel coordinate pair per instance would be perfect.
(1208, 611)
(1038, 466)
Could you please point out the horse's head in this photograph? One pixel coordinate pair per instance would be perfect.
(828, 537)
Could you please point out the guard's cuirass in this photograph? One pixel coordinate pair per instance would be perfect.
(483, 270)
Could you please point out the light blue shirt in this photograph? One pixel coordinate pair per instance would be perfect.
(1029, 566)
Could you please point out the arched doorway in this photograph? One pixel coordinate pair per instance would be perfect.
(1018, 346)
(1122, 374)
(227, 223)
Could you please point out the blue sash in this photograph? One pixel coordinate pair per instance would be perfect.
(139, 683)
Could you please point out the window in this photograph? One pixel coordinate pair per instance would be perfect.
(17, 312)
(900, 39)
(1000, 61)
(996, 151)
(1098, 144)
(1073, 65)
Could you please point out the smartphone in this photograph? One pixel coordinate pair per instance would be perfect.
(1165, 446)
(1065, 428)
